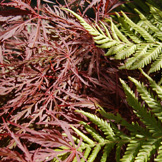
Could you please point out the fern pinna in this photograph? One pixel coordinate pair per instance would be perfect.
(142, 141)
(140, 43)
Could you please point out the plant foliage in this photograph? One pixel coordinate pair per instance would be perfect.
(49, 66)
(143, 142)
(138, 43)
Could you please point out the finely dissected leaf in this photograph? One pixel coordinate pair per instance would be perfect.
(14, 30)
(49, 67)
(19, 144)
(5, 152)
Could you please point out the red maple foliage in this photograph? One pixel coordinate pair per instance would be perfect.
(49, 66)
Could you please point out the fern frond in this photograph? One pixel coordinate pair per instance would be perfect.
(152, 102)
(106, 152)
(159, 157)
(115, 49)
(93, 133)
(143, 141)
(94, 147)
(137, 28)
(155, 12)
(157, 65)
(132, 61)
(126, 52)
(134, 128)
(119, 34)
(106, 30)
(107, 148)
(103, 125)
(85, 138)
(114, 34)
(147, 22)
(154, 86)
(151, 54)
(131, 151)
(148, 148)
(94, 153)
(127, 31)
(146, 117)
(139, 42)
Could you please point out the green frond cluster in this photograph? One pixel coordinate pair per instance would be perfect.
(138, 43)
(143, 142)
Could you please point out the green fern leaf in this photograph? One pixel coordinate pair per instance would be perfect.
(115, 49)
(147, 22)
(86, 139)
(159, 157)
(108, 44)
(148, 147)
(131, 151)
(137, 28)
(103, 125)
(106, 30)
(132, 62)
(139, 42)
(121, 37)
(156, 13)
(126, 52)
(151, 55)
(134, 128)
(125, 28)
(114, 34)
(94, 153)
(153, 84)
(93, 133)
(152, 102)
(146, 117)
(157, 65)
(106, 152)
(86, 153)
(143, 140)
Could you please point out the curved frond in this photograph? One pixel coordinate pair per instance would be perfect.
(157, 65)
(154, 86)
(131, 151)
(139, 29)
(103, 125)
(146, 117)
(143, 140)
(140, 42)
(148, 148)
(159, 157)
(152, 102)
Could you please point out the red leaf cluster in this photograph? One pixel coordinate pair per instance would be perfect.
(49, 66)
